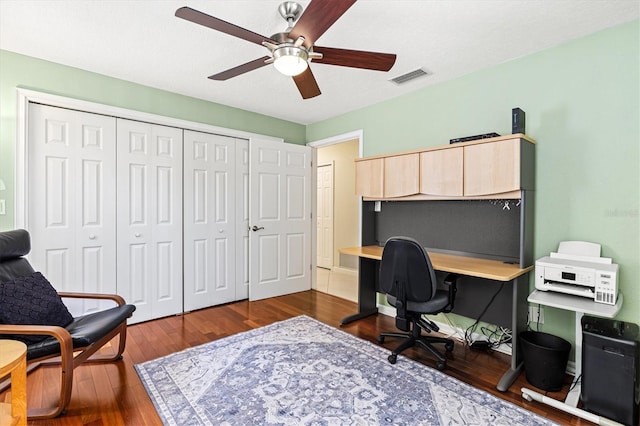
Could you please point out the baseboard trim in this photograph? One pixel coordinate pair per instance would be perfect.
(345, 271)
(457, 332)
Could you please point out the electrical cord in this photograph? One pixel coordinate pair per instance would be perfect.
(468, 333)
(575, 382)
(456, 332)
(529, 319)
(498, 336)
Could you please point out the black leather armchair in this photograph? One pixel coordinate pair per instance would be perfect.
(409, 281)
(74, 343)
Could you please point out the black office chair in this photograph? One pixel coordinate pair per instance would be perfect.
(408, 279)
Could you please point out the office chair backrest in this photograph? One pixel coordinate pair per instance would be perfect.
(13, 246)
(406, 266)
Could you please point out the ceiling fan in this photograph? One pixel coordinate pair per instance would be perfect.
(292, 50)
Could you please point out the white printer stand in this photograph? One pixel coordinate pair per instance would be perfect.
(581, 306)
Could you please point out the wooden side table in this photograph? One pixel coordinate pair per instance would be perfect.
(13, 360)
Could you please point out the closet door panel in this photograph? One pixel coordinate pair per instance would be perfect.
(71, 201)
(209, 220)
(242, 215)
(150, 218)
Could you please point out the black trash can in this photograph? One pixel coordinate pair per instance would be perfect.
(545, 359)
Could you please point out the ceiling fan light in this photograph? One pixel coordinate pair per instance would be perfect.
(290, 60)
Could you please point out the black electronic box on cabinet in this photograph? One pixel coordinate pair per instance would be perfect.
(610, 378)
(517, 121)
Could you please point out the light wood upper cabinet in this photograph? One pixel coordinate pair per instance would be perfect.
(401, 175)
(369, 177)
(492, 168)
(486, 168)
(441, 172)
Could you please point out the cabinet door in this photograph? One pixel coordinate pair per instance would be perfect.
(441, 172)
(401, 175)
(492, 168)
(369, 178)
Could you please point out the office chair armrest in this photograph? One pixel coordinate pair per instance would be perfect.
(118, 299)
(451, 282)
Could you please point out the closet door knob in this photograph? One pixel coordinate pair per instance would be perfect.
(255, 228)
(137, 235)
(92, 237)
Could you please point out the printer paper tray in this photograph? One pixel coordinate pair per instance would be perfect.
(568, 289)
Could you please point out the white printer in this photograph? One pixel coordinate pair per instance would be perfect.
(578, 269)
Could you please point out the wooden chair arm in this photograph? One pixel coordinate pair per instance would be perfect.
(66, 362)
(61, 334)
(116, 298)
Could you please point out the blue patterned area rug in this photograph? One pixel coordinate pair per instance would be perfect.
(303, 372)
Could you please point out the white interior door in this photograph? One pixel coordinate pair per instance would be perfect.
(149, 218)
(280, 218)
(209, 220)
(324, 219)
(71, 201)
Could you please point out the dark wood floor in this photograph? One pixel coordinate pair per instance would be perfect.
(112, 394)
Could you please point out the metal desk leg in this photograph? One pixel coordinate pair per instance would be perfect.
(509, 377)
(367, 280)
(518, 324)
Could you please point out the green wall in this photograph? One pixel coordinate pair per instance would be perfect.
(30, 73)
(582, 107)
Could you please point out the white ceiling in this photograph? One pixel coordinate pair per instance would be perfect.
(143, 42)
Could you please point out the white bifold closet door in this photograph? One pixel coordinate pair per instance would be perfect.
(149, 216)
(70, 194)
(215, 216)
(104, 205)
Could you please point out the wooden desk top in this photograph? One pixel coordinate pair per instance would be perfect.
(464, 265)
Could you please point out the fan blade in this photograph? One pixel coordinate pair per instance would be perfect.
(220, 25)
(240, 69)
(307, 84)
(317, 18)
(355, 58)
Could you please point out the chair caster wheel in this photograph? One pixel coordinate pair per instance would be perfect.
(441, 365)
(381, 339)
(448, 347)
(392, 358)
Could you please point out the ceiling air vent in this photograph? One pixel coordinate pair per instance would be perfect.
(412, 75)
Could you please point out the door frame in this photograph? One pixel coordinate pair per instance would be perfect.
(25, 96)
(332, 140)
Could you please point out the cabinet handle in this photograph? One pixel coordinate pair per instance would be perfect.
(255, 228)
(92, 237)
(137, 235)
